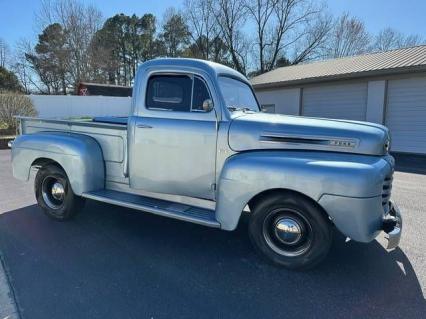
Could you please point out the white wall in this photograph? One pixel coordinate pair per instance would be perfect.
(60, 106)
(286, 101)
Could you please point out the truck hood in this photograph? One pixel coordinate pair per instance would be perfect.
(255, 131)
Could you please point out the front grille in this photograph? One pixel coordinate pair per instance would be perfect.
(386, 192)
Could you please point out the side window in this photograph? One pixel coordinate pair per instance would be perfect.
(200, 94)
(179, 93)
(169, 92)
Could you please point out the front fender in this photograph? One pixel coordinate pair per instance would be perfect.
(79, 155)
(313, 174)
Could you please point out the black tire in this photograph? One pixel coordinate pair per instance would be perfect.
(55, 195)
(290, 230)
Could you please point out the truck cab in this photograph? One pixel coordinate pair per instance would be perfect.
(196, 147)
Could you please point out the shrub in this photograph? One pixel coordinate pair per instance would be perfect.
(12, 104)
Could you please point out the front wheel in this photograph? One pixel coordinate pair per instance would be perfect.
(290, 230)
(54, 193)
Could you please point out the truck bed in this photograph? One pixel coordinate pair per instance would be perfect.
(110, 133)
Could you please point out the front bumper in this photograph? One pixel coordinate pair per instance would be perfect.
(392, 226)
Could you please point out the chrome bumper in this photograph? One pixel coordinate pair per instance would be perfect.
(392, 226)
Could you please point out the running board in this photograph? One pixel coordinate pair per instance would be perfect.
(156, 206)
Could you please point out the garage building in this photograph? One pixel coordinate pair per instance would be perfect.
(387, 88)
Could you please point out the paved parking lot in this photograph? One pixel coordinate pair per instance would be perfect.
(118, 263)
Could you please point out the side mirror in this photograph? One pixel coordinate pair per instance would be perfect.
(208, 105)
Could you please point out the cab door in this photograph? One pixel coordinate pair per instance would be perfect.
(174, 149)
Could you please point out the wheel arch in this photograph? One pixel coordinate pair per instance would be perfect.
(285, 192)
(44, 161)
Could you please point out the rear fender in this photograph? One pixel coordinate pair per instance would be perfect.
(79, 155)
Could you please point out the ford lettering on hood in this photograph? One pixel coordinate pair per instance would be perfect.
(251, 131)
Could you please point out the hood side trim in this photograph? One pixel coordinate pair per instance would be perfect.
(275, 137)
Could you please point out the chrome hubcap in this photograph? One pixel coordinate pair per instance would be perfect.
(58, 191)
(288, 230)
(53, 192)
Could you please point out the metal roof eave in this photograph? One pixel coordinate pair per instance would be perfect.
(345, 76)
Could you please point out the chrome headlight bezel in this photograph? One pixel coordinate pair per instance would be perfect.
(387, 145)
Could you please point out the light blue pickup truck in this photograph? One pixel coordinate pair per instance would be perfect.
(196, 147)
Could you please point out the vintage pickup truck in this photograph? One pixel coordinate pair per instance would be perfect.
(196, 147)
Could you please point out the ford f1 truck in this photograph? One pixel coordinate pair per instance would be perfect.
(196, 147)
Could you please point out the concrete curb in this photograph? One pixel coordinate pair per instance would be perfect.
(8, 308)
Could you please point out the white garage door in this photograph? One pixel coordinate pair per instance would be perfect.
(285, 101)
(406, 114)
(348, 101)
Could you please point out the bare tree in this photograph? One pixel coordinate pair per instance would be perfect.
(293, 18)
(21, 69)
(312, 43)
(4, 53)
(24, 69)
(286, 25)
(261, 12)
(202, 25)
(81, 23)
(349, 37)
(390, 39)
(230, 19)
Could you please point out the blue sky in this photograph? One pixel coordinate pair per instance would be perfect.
(407, 16)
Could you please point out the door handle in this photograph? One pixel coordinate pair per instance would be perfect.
(143, 126)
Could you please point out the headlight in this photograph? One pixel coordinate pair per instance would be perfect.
(387, 145)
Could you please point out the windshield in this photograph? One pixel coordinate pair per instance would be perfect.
(237, 94)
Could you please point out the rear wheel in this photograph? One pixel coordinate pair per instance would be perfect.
(54, 193)
(290, 230)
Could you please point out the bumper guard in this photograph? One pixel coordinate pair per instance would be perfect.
(392, 226)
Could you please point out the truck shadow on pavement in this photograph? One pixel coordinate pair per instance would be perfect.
(118, 263)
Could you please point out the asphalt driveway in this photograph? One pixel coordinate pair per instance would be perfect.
(118, 263)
